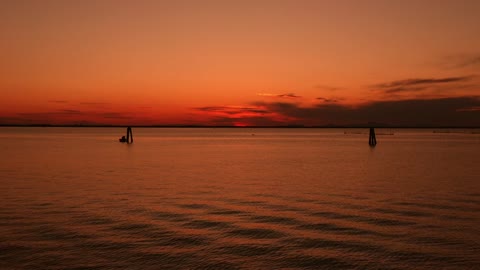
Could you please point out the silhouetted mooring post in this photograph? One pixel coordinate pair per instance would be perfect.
(129, 138)
(372, 140)
(129, 135)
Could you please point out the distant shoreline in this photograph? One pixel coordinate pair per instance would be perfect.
(244, 127)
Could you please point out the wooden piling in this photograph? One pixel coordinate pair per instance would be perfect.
(129, 135)
(372, 140)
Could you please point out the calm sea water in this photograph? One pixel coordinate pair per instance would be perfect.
(76, 198)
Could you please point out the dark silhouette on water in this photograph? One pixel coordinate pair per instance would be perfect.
(129, 138)
(372, 140)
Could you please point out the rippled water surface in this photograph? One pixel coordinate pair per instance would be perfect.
(75, 198)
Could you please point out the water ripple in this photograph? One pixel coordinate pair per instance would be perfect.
(330, 227)
(375, 221)
(256, 233)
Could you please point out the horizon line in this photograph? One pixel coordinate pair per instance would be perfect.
(240, 127)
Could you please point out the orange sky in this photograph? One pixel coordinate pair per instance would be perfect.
(240, 62)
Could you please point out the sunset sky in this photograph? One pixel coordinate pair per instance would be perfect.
(258, 62)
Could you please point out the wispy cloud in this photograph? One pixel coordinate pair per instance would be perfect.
(246, 120)
(328, 100)
(472, 61)
(461, 61)
(327, 87)
(267, 94)
(72, 116)
(288, 95)
(94, 104)
(114, 115)
(70, 111)
(254, 114)
(64, 112)
(419, 84)
(6, 120)
(232, 110)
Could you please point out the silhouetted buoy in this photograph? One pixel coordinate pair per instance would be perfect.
(129, 138)
(372, 140)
